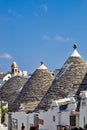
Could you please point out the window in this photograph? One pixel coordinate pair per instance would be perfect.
(73, 120)
(15, 124)
(63, 107)
(83, 103)
(84, 120)
(54, 118)
(9, 77)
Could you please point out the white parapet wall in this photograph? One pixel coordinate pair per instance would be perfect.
(2, 127)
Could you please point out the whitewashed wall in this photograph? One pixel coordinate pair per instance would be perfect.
(7, 77)
(61, 118)
(22, 118)
(4, 79)
(49, 124)
(83, 113)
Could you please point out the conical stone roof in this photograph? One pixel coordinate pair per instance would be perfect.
(11, 89)
(33, 90)
(67, 81)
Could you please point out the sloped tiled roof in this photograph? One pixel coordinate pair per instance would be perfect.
(33, 90)
(67, 81)
(10, 90)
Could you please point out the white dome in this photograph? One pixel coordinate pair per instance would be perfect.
(75, 54)
(42, 66)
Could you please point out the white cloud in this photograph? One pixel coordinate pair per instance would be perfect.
(14, 13)
(57, 38)
(41, 11)
(5, 56)
(69, 39)
(45, 37)
(45, 7)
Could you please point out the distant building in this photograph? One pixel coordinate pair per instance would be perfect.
(15, 71)
(23, 73)
(14, 68)
(55, 72)
(4, 78)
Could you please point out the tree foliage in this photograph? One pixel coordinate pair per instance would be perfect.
(3, 111)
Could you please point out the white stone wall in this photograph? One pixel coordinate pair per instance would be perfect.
(83, 113)
(1, 82)
(7, 77)
(31, 119)
(22, 118)
(61, 118)
(49, 124)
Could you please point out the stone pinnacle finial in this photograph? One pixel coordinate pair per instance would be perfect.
(41, 62)
(74, 46)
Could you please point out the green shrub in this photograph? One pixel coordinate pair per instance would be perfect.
(3, 111)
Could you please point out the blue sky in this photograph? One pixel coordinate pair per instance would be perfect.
(41, 30)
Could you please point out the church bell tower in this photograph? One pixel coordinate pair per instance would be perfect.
(14, 68)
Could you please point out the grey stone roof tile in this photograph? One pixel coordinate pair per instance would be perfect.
(66, 82)
(11, 89)
(33, 91)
